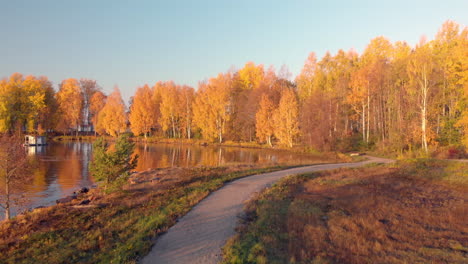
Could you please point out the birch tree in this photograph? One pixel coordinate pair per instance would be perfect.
(286, 118)
(70, 102)
(420, 69)
(212, 109)
(112, 119)
(142, 112)
(14, 173)
(264, 120)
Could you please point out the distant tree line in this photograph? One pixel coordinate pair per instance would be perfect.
(392, 95)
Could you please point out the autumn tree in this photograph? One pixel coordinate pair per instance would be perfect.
(170, 109)
(421, 70)
(97, 102)
(462, 52)
(14, 173)
(305, 80)
(313, 120)
(250, 76)
(156, 99)
(47, 117)
(322, 90)
(448, 58)
(142, 112)
(400, 105)
(245, 96)
(286, 118)
(359, 99)
(264, 120)
(23, 100)
(112, 119)
(186, 99)
(212, 107)
(88, 89)
(463, 122)
(70, 102)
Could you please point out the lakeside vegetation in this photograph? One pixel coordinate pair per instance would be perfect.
(114, 228)
(118, 227)
(392, 98)
(411, 211)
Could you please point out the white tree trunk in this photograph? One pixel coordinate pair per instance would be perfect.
(424, 91)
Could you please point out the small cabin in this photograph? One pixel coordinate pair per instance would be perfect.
(30, 140)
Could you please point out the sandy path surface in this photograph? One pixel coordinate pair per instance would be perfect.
(200, 234)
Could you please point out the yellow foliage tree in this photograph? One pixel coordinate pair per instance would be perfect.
(142, 112)
(251, 75)
(112, 118)
(245, 97)
(420, 70)
(47, 116)
(304, 80)
(286, 118)
(462, 52)
(186, 98)
(22, 101)
(264, 120)
(170, 109)
(97, 102)
(211, 108)
(70, 102)
(359, 98)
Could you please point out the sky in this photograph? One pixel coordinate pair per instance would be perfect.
(132, 43)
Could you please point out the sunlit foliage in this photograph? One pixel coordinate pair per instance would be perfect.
(393, 97)
(112, 119)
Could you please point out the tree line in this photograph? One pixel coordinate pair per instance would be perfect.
(392, 95)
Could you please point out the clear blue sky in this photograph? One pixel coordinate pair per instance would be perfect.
(130, 43)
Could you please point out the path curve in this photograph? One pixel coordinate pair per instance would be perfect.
(199, 235)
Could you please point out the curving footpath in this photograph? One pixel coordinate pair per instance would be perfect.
(199, 235)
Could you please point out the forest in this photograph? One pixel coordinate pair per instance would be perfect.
(392, 97)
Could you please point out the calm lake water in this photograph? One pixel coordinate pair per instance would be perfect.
(62, 168)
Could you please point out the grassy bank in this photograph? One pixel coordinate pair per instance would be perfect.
(77, 138)
(411, 212)
(115, 228)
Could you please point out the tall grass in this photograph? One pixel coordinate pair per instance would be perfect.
(410, 212)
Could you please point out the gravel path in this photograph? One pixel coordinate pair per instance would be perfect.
(200, 234)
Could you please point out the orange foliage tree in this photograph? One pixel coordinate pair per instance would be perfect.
(70, 102)
(170, 109)
(286, 118)
(97, 102)
(142, 112)
(264, 120)
(186, 98)
(112, 119)
(211, 108)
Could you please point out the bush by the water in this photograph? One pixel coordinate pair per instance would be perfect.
(112, 166)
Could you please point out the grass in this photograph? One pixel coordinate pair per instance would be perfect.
(116, 228)
(413, 211)
(77, 138)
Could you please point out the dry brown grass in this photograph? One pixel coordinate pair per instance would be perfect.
(372, 215)
(114, 228)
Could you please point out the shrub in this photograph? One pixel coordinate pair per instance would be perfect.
(113, 166)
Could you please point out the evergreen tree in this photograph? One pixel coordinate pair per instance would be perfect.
(113, 166)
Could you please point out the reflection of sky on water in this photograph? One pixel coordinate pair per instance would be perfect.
(62, 168)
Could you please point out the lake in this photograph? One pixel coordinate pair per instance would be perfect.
(62, 168)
